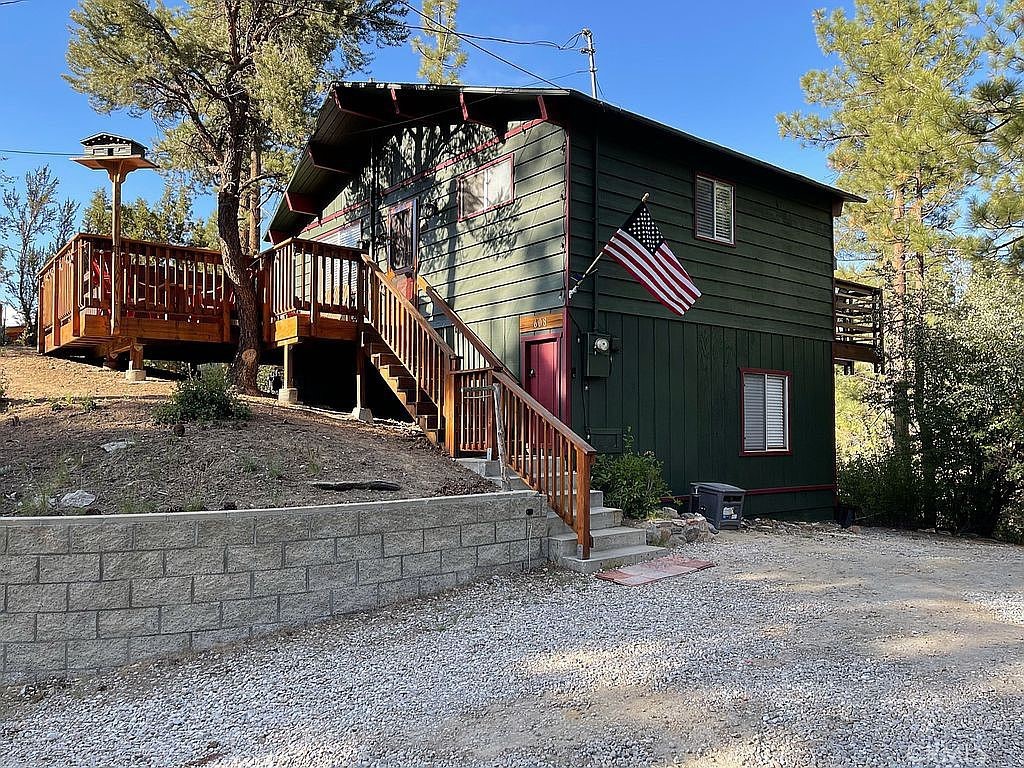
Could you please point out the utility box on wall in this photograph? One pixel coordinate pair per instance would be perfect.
(599, 355)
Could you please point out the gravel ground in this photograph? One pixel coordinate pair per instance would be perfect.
(818, 648)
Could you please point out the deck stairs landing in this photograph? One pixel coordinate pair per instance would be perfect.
(615, 545)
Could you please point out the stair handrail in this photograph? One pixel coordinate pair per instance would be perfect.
(573, 506)
(417, 316)
(475, 341)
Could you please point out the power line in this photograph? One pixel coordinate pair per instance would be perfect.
(33, 151)
(568, 45)
(502, 59)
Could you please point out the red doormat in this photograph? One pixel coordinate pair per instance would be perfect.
(655, 570)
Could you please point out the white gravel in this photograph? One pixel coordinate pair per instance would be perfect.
(820, 649)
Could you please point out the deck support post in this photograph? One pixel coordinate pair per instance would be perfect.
(288, 394)
(136, 370)
(361, 412)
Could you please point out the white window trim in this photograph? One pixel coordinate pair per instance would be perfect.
(786, 377)
(716, 184)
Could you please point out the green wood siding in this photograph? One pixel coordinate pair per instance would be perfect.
(675, 382)
(493, 267)
(778, 276)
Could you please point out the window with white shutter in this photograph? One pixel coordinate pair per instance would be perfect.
(713, 210)
(765, 412)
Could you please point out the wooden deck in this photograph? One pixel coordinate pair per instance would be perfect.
(857, 310)
(177, 299)
(160, 294)
(311, 290)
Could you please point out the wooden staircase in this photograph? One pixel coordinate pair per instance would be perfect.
(405, 387)
(457, 390)
(466, 402)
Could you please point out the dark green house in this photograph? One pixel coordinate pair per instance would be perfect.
(498, 199)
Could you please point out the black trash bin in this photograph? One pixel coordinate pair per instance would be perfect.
(720, 503)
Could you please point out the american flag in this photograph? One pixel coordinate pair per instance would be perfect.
(640, 248)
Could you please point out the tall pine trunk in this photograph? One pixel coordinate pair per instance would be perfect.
(929, 470)
(236, 266)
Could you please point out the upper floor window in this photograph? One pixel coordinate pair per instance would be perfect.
(486, 188)
(713, 205)
(765, 409)
(402, 236)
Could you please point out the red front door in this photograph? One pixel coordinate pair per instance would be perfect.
(542, 372)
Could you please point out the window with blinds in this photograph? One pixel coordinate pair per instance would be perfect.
(765, 412)
(713, 210)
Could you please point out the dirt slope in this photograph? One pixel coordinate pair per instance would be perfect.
(62, 413)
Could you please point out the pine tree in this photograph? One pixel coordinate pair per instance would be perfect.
(892, 114)
(226, 81)
(169, 221)
(999, 210)
(441, 54)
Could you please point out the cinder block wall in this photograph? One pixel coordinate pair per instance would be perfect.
(84, 594)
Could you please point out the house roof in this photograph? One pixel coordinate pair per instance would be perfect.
(354, 113)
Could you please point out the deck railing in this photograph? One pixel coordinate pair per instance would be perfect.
(857, 310)
(170, 283)
(543, 451)
(154, 281)
(307, 276)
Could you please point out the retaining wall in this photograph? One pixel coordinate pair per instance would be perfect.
(84, 594)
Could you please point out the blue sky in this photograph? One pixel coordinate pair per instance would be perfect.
(718, 70)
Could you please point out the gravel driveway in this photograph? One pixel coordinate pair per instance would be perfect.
(815, 649)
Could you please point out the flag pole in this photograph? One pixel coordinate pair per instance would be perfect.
(593, 264)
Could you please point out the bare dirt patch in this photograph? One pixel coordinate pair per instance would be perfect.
(52, 437)
(33, 377)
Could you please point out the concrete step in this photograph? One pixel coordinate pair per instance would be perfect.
(605, 540)
(612, 558)
(491, 469)
(601, 517)
(483, 467)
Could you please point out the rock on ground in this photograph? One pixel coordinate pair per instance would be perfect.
(821, 649)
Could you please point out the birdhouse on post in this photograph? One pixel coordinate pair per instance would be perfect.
(117, 156)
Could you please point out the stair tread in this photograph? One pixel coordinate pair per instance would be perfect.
(599, 533)
(605, 555)
(593, 510)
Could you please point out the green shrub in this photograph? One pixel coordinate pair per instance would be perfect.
(203, 398)
(885, 488)
(633, 482)
(4, 383)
